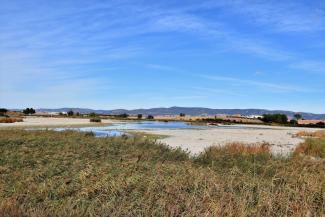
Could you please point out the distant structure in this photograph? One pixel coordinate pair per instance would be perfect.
(254, 116)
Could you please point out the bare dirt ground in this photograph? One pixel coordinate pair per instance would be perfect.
(281, 139)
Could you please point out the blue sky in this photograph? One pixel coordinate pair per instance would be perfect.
(141, 54)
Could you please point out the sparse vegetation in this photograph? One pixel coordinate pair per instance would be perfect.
(46, 173)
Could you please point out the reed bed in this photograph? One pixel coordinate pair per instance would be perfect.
(46, 173)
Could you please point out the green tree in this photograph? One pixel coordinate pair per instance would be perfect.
(298, 116)
(92, 114)
(139, 116)
(3, 111)
(275, 118)
(29, 111)
(182, 115)
(70, 113)
(124, 115)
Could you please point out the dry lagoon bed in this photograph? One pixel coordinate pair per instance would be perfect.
(281, 139)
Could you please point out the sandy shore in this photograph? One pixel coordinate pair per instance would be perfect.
(53, 122)
(282, 139)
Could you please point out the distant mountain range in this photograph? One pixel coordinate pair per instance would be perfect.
(188, 111)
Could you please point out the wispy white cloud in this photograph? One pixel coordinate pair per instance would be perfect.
(260, 84)
(284, 16)
(311, 66)
(217, 91)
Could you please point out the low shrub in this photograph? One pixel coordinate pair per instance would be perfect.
(95, 119)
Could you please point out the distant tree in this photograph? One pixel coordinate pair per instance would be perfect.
(150, 117)
(139, 116)
(70, 113)
(275, 118)
(29, 111)
(298, 116)
(77, 113)
(92, 114)
(3, 111)
(182, 115)
(124, 115)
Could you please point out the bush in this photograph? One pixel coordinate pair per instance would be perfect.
(150, 117)
(139, 116)
(293, 122)
(95, 119)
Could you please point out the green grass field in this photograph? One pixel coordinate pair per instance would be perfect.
(75, 174)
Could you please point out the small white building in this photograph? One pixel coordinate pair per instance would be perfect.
(254, 116)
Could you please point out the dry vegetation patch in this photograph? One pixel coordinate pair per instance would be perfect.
(319, 134)
(75, 174)
(10, 120)
(314, 145)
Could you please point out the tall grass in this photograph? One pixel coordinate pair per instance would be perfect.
(75, 174)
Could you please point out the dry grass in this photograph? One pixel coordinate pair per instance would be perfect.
(75, 174)
(319, 134)
(241, 148)
(10, 120)
(314, 145)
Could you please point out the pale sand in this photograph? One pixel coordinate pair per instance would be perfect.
(281, 139)
(52, 122)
